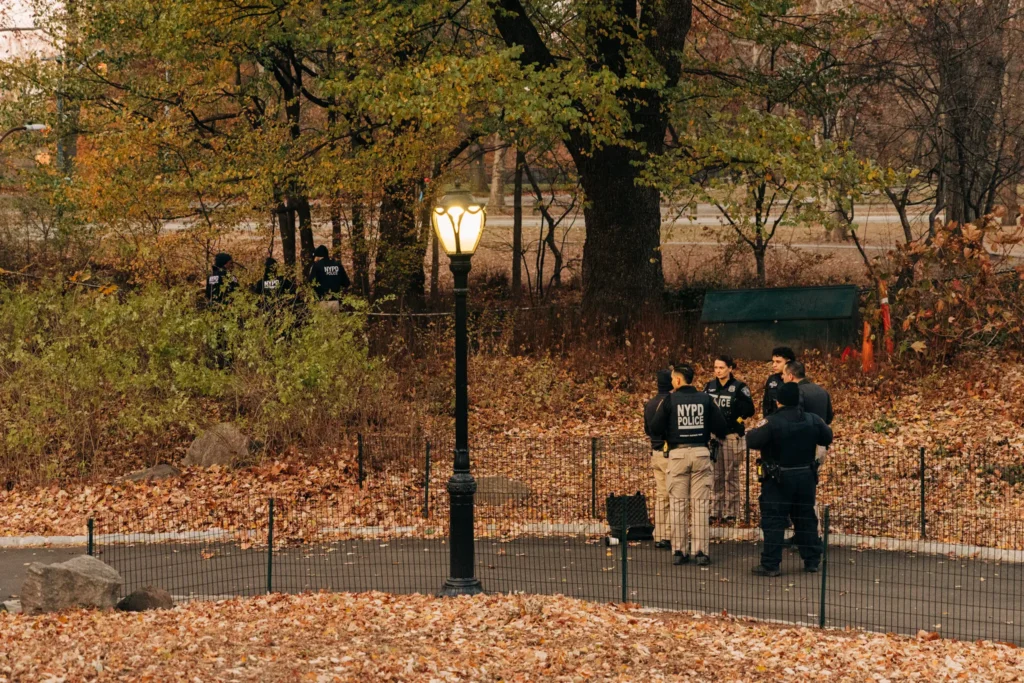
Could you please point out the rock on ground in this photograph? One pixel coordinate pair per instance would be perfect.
(146, 599)
(82, 581)
(220, 445)
(161, 471)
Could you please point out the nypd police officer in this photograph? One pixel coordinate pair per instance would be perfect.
(780, 356)
(220, 282)
(688, 419)
(328, 275)
(734, 400)
(787, 441)
(659, 460)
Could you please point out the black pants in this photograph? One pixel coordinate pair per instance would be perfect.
(793, 498)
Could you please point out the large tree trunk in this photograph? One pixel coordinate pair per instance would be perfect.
(360, 248)
(621, 256)
(286, 225)
(622, 273)
(517, 227)
(477, 170)
(305, 217)
(497, 199)
(399, 267)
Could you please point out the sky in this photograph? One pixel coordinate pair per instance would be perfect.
(13, 44)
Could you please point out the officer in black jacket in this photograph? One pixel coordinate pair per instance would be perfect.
(688, 419)
(780, 356)
(220, 282)
(734, 400)
(659, 461)
(787, 441)
(328, 275)
(272, 284)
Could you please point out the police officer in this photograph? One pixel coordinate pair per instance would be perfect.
(659, 461)
(734, 400)
(813, 398)
(220, 282)
(688, 419)
(328, 275)
(787, 441)
(780, 356)
(272, 284)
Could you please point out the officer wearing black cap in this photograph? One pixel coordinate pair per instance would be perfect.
(328, 275)
(220, 282)
(787, 441)
(659, 461)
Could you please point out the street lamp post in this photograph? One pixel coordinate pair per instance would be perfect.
(458, 223)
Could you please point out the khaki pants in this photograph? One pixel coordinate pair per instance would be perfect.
(662, 516)
(689, 493)
(727, 476)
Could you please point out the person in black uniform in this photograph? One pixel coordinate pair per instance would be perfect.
(813, 398)
(787, 441)
(220, 282)
(734, 400)
(688, 419)
(327, 274)
(272, 284)
(780, 356)
(659, 461)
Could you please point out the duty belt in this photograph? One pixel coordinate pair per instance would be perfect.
(794, 469)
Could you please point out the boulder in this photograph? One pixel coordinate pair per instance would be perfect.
(500, 490)
(220, 445)
(161, 471)
(11, 606)
(82, 581)
(146, 599)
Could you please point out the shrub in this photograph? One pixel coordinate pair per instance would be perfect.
(96, 381)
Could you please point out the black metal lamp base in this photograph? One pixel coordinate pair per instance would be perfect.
(455, 587)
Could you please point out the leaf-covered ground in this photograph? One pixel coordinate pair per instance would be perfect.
(377, 637)
(531, 422)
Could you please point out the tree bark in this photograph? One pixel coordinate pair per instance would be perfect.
(497, 199)
(360, 248)
(286, 225)
(517, 227)
(759, 257)
(477, 170)
(304, 214)
(399, 266)
(335, 226)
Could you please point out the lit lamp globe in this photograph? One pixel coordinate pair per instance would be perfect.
(458, 223)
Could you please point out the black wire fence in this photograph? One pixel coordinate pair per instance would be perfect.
(542, 527)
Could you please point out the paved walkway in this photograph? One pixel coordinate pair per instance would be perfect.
(873, 589)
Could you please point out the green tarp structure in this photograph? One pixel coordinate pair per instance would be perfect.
(748, 323)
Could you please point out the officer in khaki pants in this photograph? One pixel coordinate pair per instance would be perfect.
(659, 461)
(687, 421)
(733, 398)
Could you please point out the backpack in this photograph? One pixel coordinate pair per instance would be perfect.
(632, 509)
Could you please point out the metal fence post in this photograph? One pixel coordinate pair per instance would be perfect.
(923, 527)
(593, 478)
(89, 546)
(270, 546)
(359, 438)
(426, 484)
(746, 504)
(824, 569)
(625, 557)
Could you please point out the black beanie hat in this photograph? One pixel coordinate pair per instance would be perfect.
(789, 394)
(321, 251)
(664, 381)
(270, 262)
(221, 259)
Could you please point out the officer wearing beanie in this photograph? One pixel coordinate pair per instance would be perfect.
(272, 284)
(220, 282)
(787, 441)
(328, 275)
(659, 461)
